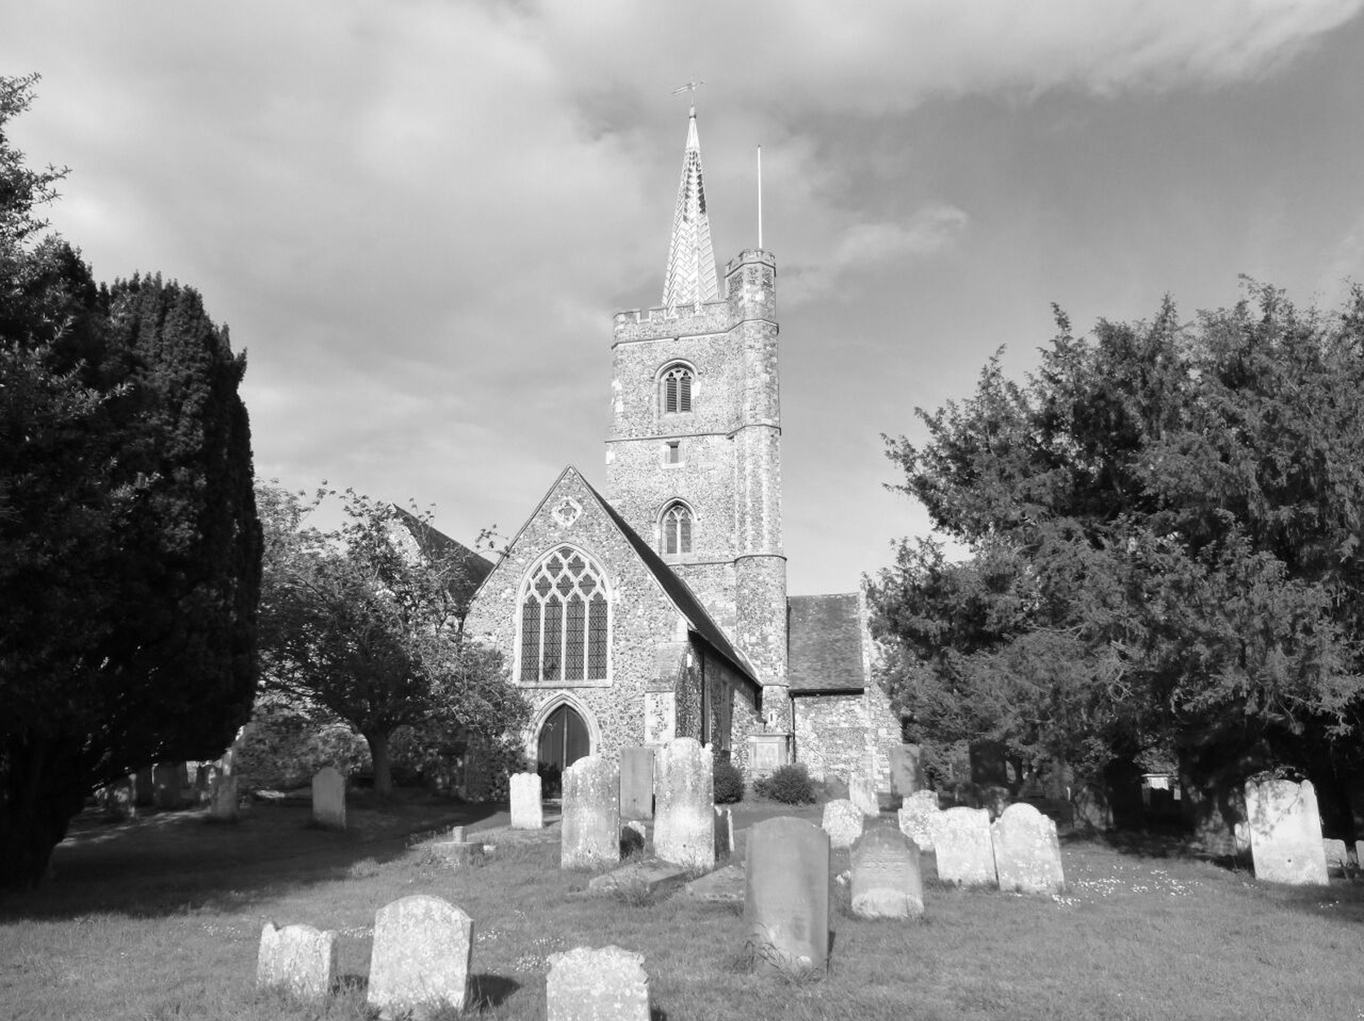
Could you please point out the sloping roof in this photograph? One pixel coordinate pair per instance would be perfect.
(435, 544)
(824, 643)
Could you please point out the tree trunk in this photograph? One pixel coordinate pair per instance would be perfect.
(383, 766)
(42, 793)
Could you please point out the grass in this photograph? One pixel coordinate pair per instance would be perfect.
(160, 919)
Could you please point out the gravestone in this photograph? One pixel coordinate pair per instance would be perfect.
(329, 799)
(906, 770)
(144, 788)
(168, 781)
(1337, 857)
(961, 841)
(862, 793)
(786, 895)
(225, 802)
(590, 830)
(597, 985)
(527, 811)
(1285, 832)
(886, 882)
(724, 833)
(723, 886)
(420, 960)
(297, 958)
(843, 822)
(636, 783)
(684, 800)
(916, 818)
(1027, 851)
(645, 879)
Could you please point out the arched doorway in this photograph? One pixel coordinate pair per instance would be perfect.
(563, 741)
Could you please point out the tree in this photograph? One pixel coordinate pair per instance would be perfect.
(359, 623)
(1162, 527)
(129, 546)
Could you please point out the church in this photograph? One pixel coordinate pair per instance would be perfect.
(655, 606)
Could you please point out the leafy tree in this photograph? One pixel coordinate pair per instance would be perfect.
(129, 547)
(1162, 527)
(360, 623)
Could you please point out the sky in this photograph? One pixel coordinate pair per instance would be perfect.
(419, 217)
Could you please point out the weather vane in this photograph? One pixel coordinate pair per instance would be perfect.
(691, 87)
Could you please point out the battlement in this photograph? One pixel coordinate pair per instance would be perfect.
(751, 255)
(697, 320)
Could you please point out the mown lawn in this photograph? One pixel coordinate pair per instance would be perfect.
(160, 919)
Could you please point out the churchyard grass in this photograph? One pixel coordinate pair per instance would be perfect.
(161, 919)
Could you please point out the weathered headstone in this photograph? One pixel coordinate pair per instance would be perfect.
(906, 770)
(723, 886)
(643, 879)
(597, 985)
(684, 800)
(786, 897)
(297, 958)
(961, 841)
(886, 882)
(329, 798)
(225, 803)
(1336, 855)
(1027, 851)
(1285, 832)
(590, 831)
(636, 783)
(527, 811)
(168, 780)
(843, 822)
(862, 793)
(420, 960)
(724, 833)
(916, 818)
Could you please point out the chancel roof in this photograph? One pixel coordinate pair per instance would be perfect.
(470, 568)
(824, 650)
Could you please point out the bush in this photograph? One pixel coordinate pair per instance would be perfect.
(791, 785)
(729, 783)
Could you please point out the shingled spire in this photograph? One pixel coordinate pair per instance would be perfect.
(690, 276)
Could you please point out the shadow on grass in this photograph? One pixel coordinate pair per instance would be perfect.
(492, 990)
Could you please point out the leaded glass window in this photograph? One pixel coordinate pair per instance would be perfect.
(677, 389)
(677, 530)
(565, 620)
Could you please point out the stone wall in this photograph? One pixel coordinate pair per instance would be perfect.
(837, 735)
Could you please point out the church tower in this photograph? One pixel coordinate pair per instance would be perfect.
(693, 457)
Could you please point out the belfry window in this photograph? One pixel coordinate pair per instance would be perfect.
(565, 620)
(677, 522)
(676, 389)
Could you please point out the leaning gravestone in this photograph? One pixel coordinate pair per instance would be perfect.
(886, 882)
(225, 803)
(961, 840)
(636, 783)
(590, 831)
(329, 799)
(1027, 851)
(297, 958)
(597, 985)
(906, 770)
(724, 833)
(862, 793)
(420, 961)
(1285, 832)
(916, 818)
(786, 895)
(527, 811)
(843, 822)
(684, 785)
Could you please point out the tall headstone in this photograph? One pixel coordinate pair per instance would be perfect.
(420, 960)
(329, 798)
(724, 833)
(597, 985)
(886, 882)
(786, 895)
(636, 783)
(527, 811)
(684, 799)
(297, 958)
(906, 770)
(590, 831)
(843, 822)
(961, 841)
(862, 793)
(1027, 851)
(916, 818)
(1285, 832)
(168, 780)
(144, 788)
(225, 802)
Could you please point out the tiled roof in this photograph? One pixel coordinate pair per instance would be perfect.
(824, 643)
(435, 543)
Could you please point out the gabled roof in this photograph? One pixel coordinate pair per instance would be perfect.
(470, 567)
(690, 275)
(824, 650)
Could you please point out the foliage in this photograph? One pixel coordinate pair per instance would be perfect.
(789, 784)
(729, 783)
(129, 546)
(281, 749)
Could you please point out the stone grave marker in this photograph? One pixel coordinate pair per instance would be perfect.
(1285, 832)
(597, 985)
(862, 793)
(786, 895)
(843, 822)
(297, 958)
(329, 798)
(916, 818)
(168, 781)
(420, 960)
(645, 878)
(144, 788)
(886, 882)
(684, 800)
(1337, 857)
(906, 770)
(636, 783)
(1027, 851)
(724, 833)
(723, 886)
(961, 840)
(527, 811)
(225, 802)
(590, 831)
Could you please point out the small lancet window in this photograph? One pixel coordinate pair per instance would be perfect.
(677, 529)
(677, 389)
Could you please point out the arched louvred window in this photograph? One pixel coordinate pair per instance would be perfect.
(677, 529)
(677, 389)
(565, 620)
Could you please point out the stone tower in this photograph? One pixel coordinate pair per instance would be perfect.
(693, 458)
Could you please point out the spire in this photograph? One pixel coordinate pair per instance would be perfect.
(690, 277)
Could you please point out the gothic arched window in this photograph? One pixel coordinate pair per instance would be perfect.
(677, 522)
(675, 389)
(565, 620)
